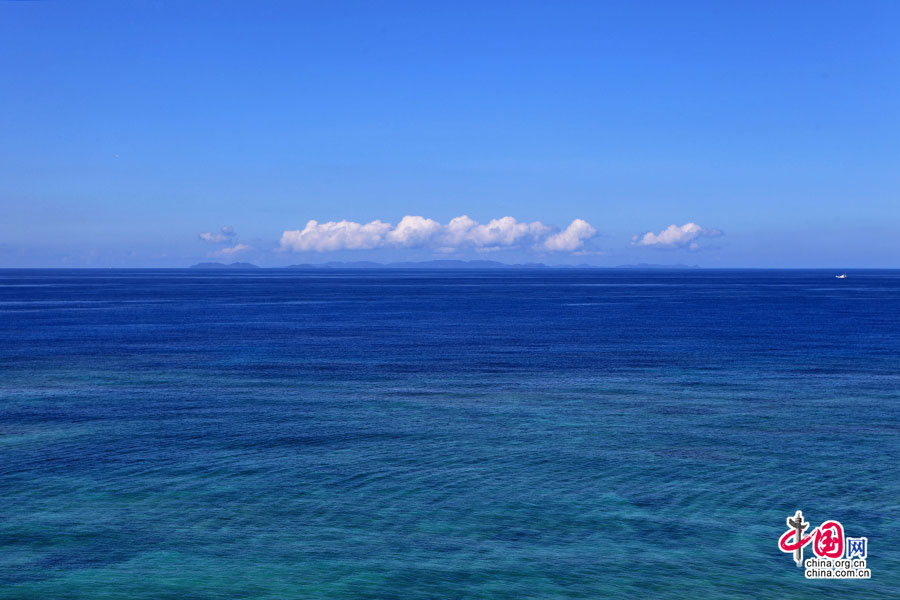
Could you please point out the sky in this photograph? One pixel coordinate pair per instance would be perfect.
(721, 134)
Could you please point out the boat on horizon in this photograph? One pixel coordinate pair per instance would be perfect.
(841, 276)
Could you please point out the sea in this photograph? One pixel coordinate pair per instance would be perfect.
(442, 434)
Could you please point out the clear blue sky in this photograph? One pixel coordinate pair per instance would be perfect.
(130, 128)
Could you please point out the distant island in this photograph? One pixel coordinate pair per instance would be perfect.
(434, 264)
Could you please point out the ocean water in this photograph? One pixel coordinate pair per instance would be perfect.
(443, 434)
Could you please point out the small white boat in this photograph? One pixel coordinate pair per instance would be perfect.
(841, 276)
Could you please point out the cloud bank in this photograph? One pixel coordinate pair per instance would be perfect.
(461, 233)
(675, 237)
(222, 236)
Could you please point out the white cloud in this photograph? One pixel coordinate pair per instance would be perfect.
(231, 251)
(336, 235)
(413, 231)
(420, 232)
(675, 237)
(220, 237)
(497, 233)
(572, 237)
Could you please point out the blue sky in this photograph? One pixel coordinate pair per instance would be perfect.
(768, 133)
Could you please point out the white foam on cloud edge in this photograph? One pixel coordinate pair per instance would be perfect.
(460, 233)
(674, 236)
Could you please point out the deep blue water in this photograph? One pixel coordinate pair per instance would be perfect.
(443, 434)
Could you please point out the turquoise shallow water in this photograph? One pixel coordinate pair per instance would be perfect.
(505, 434)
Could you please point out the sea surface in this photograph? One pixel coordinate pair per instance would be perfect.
(276, 434)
